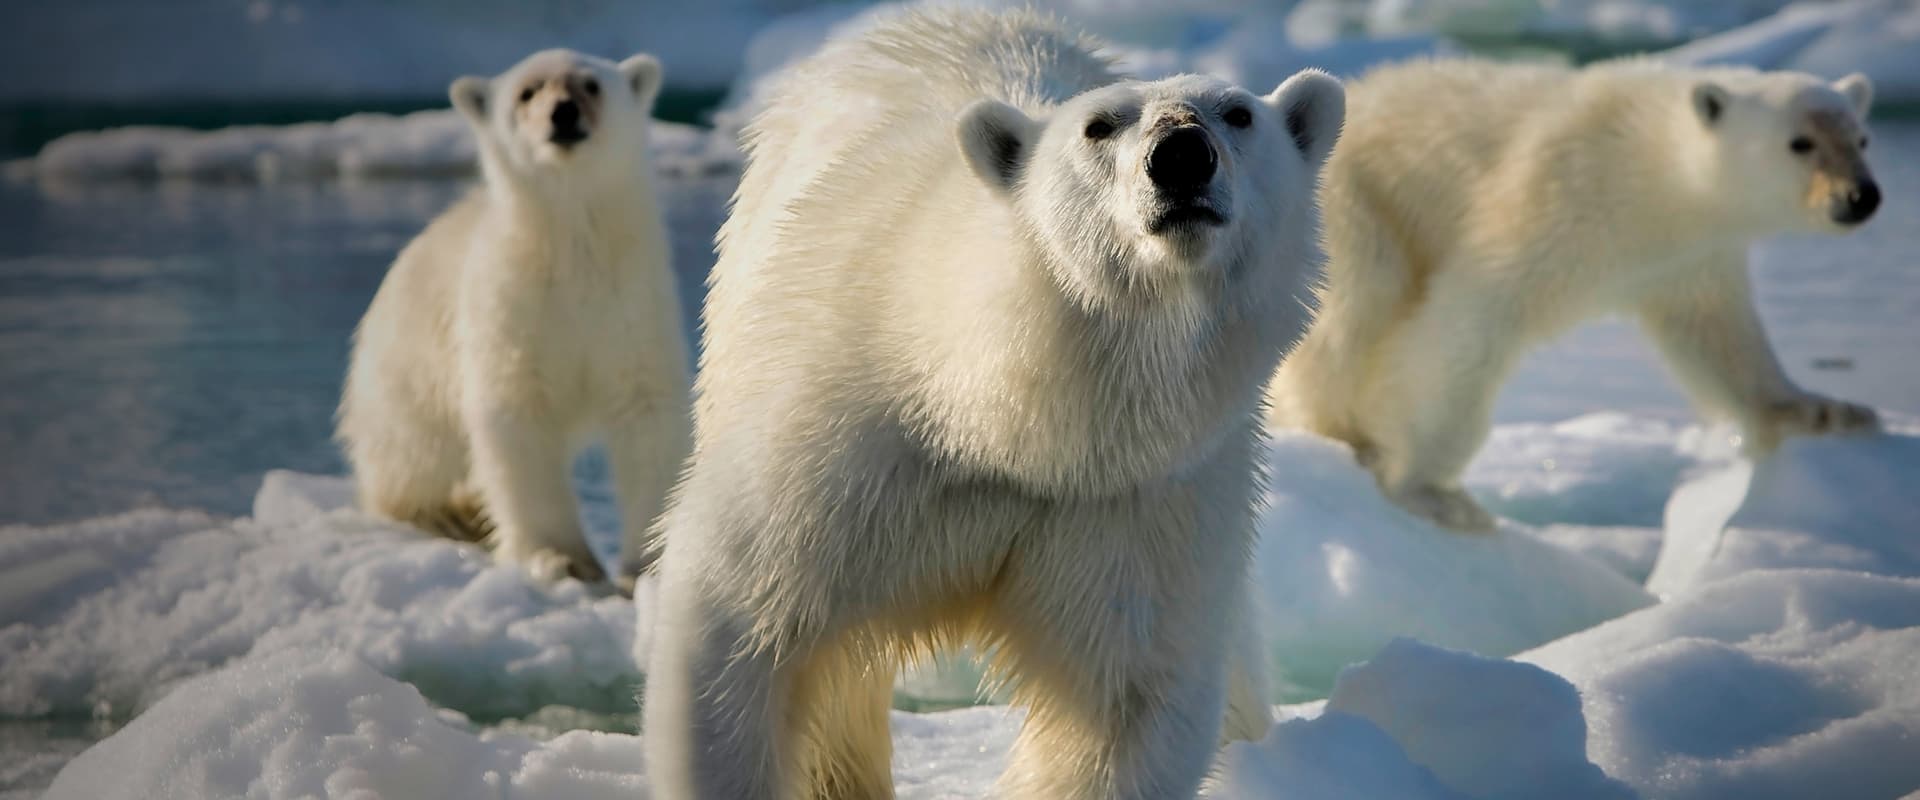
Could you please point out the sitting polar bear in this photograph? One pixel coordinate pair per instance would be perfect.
(537, 312)
(985, 346)
(1474, 209)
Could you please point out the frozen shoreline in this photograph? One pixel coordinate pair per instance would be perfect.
(1255, 48)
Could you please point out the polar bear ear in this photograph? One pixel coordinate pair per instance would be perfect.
(1710, 101)
(1314, 106)
(996, 139)
(469, 95)
(1858, 89)
(644, 76)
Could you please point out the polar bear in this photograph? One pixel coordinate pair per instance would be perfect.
(536, 313)
(985, 346)
(1475, 209)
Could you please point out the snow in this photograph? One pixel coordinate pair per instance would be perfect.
(300, 725)
(433, 143)
(1777, 683)
(1823, 503)
(306, 724)
(120, 50)
(314, 650)
(1248, 44)
(1489, 728)
(104, 616)
(1878, 37)
(1343, 572)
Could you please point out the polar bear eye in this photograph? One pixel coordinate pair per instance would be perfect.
(1801, 145)
(1863, 142)
(526, 94)
(1238, 117)
(593, 88)
(1098, 129)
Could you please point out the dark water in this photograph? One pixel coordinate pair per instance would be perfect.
(166, 344)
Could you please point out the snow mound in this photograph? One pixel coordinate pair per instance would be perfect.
(104, 616)
(1421, 723)
(278, 651)
(1832, 502)
(432, 143)
(1571, 22)
(313, 725)
(1493, 729)
(1330, 757)
(1773, 684)
(1342, 572)
(310, 726)
(1878, 37)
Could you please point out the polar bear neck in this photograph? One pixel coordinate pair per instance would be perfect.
(1657, 148)
(594, 224)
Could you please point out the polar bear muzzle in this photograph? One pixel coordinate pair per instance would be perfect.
(1841, 180)
(1181, 163)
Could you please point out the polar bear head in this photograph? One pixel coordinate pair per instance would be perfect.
(1135, 183)
(1790, 149)
(559, 110)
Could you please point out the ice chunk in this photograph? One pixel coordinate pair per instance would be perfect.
(1342, 571)
(1844, 502)
(433, 143)
(1493, 729)
(1330, 757)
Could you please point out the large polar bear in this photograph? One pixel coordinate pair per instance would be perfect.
(1474, 210)
(985, 346)
(537, 312)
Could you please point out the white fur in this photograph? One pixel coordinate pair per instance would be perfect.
(1474, 210)
(953, 390)
(536, 314)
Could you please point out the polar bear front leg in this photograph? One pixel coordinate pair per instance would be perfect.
(1115, 623)
(521, 465)
(1705, 325)
(710, 709)
(1150, 736)
(646, 447)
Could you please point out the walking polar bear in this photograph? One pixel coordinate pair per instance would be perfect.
(1473, 210)
(537, 312)
(985, 348)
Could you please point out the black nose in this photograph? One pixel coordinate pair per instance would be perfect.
(1182, 162)
(1859, 205)
(566, 115)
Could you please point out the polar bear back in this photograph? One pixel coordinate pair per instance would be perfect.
(846, 135)
(1441, 159)
(892, 98)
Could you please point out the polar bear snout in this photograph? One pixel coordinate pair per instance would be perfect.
(1181, 165)
(1182, 162)
(565, 122)
(1856, 204)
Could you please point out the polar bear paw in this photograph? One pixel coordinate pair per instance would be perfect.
(1815, 414)
(549, 565)
(1449, 507)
